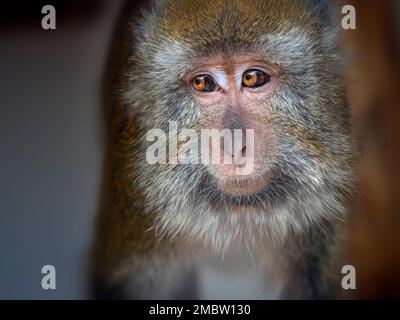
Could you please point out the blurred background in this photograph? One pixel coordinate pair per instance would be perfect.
(52, 143)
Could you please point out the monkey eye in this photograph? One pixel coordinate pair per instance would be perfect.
(255, 78)
(204, 83)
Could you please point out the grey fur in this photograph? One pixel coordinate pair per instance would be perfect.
(300, 216)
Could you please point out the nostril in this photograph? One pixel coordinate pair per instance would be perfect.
(244, 152)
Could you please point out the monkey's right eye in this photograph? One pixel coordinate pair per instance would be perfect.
(204, 83)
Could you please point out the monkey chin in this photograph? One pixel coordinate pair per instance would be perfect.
(243, 186)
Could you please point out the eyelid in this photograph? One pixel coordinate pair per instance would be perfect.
(261, 68)
(218, 76)
(239, 73)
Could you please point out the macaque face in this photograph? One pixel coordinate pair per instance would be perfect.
(205, 69)
(247, 65)
(232, 91)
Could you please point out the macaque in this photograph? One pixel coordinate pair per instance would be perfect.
(176, 230)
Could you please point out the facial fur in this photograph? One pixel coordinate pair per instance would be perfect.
(306, 160)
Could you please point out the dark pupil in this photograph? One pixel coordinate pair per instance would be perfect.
(198, 81)
(209, 84)
(248, 76)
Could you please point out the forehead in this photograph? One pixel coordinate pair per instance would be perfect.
(183, 32)
(222, 23)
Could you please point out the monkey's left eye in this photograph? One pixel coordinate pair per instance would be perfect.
(255, 78)
(204, 83)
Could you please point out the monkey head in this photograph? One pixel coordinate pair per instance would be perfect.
(273, 67)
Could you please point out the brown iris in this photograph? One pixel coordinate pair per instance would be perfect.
(204, 83)
(254, 78)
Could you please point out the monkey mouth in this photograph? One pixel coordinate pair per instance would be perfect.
(243, 187)
(261, 190)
